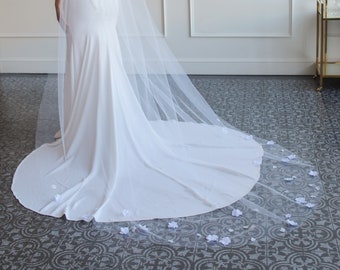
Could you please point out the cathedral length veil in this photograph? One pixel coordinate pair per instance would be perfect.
(142, 151)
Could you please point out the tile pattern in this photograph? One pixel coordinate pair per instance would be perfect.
(283, 109)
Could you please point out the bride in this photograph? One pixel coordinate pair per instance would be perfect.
(138, 142)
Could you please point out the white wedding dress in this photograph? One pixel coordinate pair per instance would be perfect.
(138, 143)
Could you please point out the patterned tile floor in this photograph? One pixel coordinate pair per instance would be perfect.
(284, 109)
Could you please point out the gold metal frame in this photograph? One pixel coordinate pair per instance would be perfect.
(322, 65)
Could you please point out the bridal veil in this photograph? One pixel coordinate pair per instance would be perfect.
(142, 151)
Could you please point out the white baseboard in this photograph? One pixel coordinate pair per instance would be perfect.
(191, 66)
(249, 67)
(20, 65)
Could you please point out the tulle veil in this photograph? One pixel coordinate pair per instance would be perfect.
(288, 188)
(161, 86)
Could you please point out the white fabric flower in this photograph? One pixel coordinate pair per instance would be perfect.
(236, 213)
(212, 238)
(230, 230)
(289, 179)
(291, 157)
(143, 227)
(225, 241)
(172, 225)
(125, 212)
(310, 205)
(270, 143)
(283, 230)
(253, 239)
(286, 160)
(57, 198)
(313, 173)
(291, 222)
(300, 200)
(124, 230)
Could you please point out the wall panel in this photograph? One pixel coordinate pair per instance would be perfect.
(207, 36)
(242, 18)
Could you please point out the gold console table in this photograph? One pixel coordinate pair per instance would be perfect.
(327, 10)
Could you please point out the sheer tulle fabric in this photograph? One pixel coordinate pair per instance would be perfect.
(140, 143)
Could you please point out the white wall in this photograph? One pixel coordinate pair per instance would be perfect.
(27, 36)
(207, 36)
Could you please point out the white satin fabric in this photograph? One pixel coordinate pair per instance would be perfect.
(118, 163)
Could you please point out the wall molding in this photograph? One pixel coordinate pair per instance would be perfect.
(28, 65)
(334, 35)
(28, 35)
(165, 12)
(194, 33)
(164, 28)
(247, 60)
(250, 68)
(209, 66)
